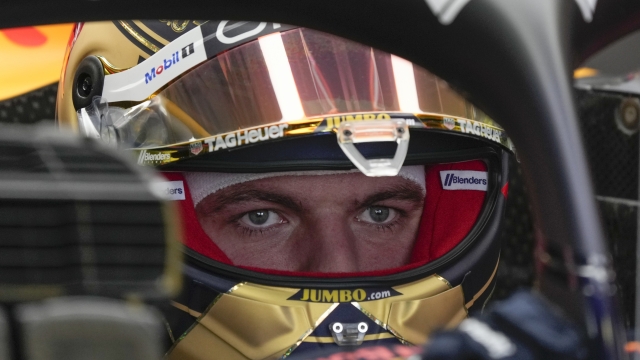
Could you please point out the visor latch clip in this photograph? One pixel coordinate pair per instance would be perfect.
(394, 130)
(345, 334)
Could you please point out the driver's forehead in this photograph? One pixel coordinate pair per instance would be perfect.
(335, 186)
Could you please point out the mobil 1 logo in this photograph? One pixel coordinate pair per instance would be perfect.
(170, 60)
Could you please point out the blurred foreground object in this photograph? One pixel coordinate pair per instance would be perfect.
(77, 219)
(525, 326)
(80, 328)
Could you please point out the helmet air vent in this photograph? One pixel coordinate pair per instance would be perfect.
(87, 82)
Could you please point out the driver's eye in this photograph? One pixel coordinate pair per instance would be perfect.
(261, 218)
(377, 215)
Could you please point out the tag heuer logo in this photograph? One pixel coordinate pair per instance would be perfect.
(449, 123)
(195, 147)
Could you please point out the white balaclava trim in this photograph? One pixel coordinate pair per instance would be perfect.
(203, 184)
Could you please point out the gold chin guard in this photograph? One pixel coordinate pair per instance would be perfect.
(254, 322)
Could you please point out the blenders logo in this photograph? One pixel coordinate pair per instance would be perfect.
(457, 179)
(153, 158)
(343, 295)
(168, 62)
(172, 190)
(464, 180)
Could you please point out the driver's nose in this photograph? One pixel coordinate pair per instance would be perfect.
(332, 247)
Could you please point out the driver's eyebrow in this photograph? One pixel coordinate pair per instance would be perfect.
(239, 194)
(410, 192)
(245, 194)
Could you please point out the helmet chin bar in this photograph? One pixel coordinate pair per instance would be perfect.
(351, 133)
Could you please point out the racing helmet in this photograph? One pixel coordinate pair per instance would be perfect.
(240, 114)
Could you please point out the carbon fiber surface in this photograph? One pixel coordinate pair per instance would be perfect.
(38, 105)
(516, 257)
(613, 153)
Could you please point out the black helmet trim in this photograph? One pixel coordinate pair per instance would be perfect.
(234, 140)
